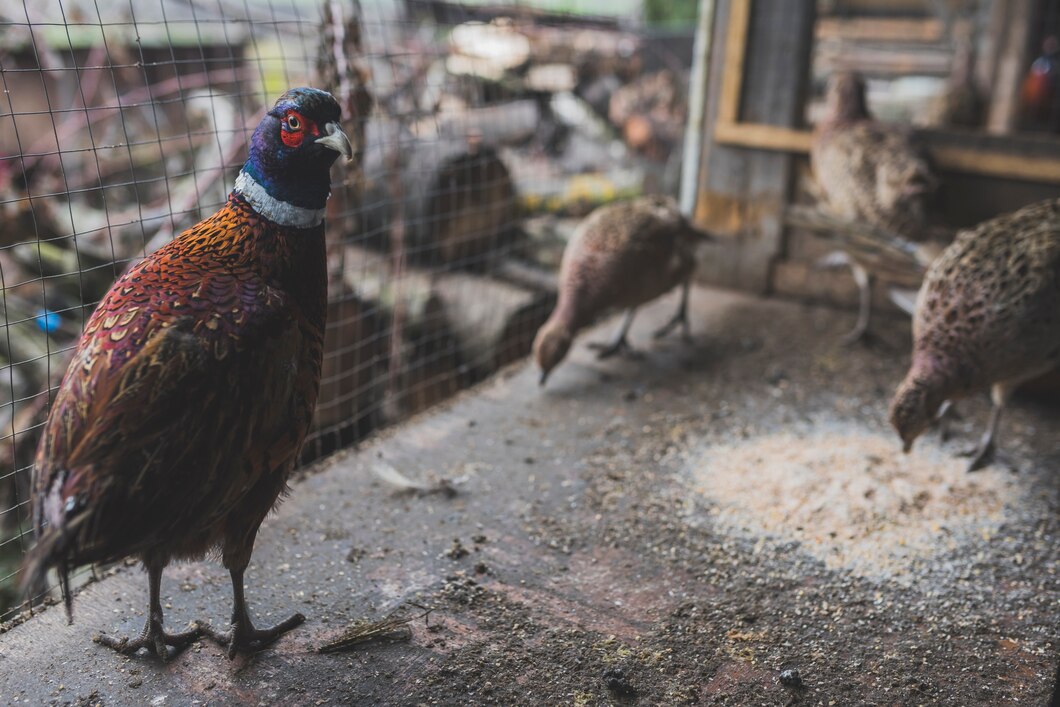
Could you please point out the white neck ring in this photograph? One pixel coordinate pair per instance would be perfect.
(268, 206)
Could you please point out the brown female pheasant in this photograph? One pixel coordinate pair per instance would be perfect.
(622, 255)
(987, 315)
(870, 172)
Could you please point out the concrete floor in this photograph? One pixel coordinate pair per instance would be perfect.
(676, 529)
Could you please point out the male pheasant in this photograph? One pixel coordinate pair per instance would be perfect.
(870, 172)
(622, 255)
(987, 315)
(191, 391)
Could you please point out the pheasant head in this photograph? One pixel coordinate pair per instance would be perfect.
(917, 402)
(551, 345)
(286, 177)
(845, 98)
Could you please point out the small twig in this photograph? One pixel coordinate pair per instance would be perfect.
(364, 631)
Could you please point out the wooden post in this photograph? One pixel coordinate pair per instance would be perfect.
(1010, 25)
(742, 192)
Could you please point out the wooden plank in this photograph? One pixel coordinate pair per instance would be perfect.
(996, 164)
(881, 29)
(875, 61)
(763, 137)
(742, 193)
(888, 7)
(735, 49)
(968, 160)
(1012, 59)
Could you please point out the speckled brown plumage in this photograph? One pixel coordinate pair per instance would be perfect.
(192, 388)
(868, 171)
(987, 315)
(623, 255)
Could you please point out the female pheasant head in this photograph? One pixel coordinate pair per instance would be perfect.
(551, 345)
(917, 402)
(845, 98)
(286, 177)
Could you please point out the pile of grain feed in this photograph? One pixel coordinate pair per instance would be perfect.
(851, 499)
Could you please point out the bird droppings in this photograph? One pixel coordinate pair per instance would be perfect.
(618, 683)
(457, 550)
(850, 498)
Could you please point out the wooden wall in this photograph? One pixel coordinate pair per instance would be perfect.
(742, 192)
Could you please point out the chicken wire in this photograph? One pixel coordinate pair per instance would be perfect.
(122, 124)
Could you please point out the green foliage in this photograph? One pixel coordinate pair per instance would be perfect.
(670, 12)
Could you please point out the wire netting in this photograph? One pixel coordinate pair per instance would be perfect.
(480, 133)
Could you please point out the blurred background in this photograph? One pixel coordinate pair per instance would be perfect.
(485, 132)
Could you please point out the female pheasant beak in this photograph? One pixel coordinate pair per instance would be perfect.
(336, 140)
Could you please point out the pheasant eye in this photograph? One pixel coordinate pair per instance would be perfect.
(293, 132)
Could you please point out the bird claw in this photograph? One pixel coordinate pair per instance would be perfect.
(855, 335)
(153, 638)
(607, 350)
(983, 456)
(978, 462)
(686, 332)
(244, 638)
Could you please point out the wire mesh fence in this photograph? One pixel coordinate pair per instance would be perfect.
(480, 133)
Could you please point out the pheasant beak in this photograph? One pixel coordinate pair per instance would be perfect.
(336, 140)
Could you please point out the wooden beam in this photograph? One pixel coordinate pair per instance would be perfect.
(967, 160)
(1012, 57)
(992, 163)
(881, 29)
(732, 69)
(762, 136)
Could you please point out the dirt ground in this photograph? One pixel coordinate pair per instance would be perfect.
(688, 528)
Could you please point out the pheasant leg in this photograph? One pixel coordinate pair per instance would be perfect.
(153, 637)
(680, 317)
(985, 452)
(864, 281)
(242, 637)
(617, 345)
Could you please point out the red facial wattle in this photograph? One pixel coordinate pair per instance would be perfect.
(294, 127)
